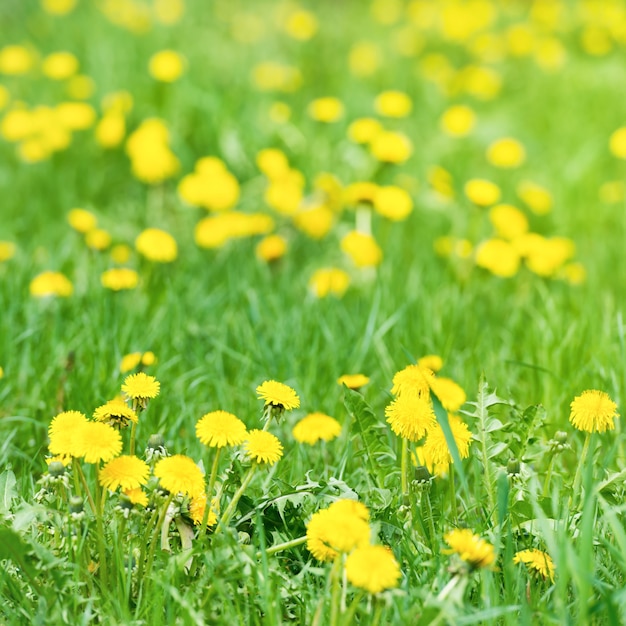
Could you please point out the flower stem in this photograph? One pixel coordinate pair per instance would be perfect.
(546, 484)
(404, 470)
(579, 473)
(133, 432)
(83, 480)
(335, 590)
(104, 574)
(209, 492)
(279, 547)
(156, 533)
(228, 513)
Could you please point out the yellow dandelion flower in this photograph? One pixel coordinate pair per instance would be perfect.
(157, 245)
(413, 380)
(431, 361)
(373, 568)
(98, 239)
(263, 447)
(7, 250)
(130, 362)
(316, 426)
(353, 381)
(148, 358)
(499, 257)
(167, 66)
(617, 143)
(278, 395)
(141, 387)
(59, 65)
(506, 153)
(482, 192)
(362, 249)
(62, 433)
(458, 121)
(336, 529)
(326, 109)
(137, 496)
(391, 147)
(197, 506)
(470, 547)
(450, 394)
(536, 561)
(219, 429)
(348, 506)
(393, 202)
(51, 284)
(410, 416)
(82, 220)
(271, 248)
(593, 411)
(329, 281)
(393, 104)
(119, 278)
(127, 472)
(115, 413)
(179, 474)
(436, 447)
(364, 129)
(97, 442)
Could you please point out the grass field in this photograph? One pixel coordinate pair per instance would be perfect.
(457, 170)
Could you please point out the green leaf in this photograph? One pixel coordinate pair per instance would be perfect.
(8, 491)
(372, 433)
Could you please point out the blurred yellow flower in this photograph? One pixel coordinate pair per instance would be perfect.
(59, 65)
(315, 427)
(119, 278)
(373, 568)
(617, 143)
(364, 129)
(393, 104)
(436, 447)
(393, 202)
(7, 250)
(482, 192)
(51, 284)
(391, 147)
(157, 245)
(326, 109)
(329, 281)
(353, 381)
(458, 120)
(498, 257)
(362, 249)
(167, 66)
(537, 562)
(16, 60)
(506, 153)
(58, 7)
(470, 547)
(82, 220)
(301, 25)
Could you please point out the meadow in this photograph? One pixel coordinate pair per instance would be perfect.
(312, 312)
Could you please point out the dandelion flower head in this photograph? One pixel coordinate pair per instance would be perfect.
(127, 472)
(315, 427)
(353, 381)
(219, 429)
(278, 395)
(96, 441)
(536, 561)
(410, 416)
(141, 387)
(263, 447)
(373, 568)
(413, 380)
(470, 547)
(436, 447)
(179, 474)
(593, 411)
(62, 432)
(450, 394)
(115, 413)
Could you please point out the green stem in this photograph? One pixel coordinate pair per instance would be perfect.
(579, 471)
(156, 533)
(378, 611)
(335, 589)
(233, 503)
(83, 480)
(133, 432)
(452, 488)
(209, 492)
(142, 554)
(546, 484)
(486, 469)
(349, 615)
(404, 470)
(104, 574)
(279, 547)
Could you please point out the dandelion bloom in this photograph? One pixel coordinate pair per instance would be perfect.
(393, 104)
(7, 250)
(362, 249)
(119, 278)
(316, 426)
(436, 447)
(593, 411)
(372, 568)
(141, 387)
(166, 66)
(364, 129)
(457, 121)
(219, 429)
(413, 380)
(482, 192)
(263, 447)
(197, 506)
(498, 257)
(82, 220)
(431, 361)
(179, 474)
(62, 432)
(97, 442)
(353, 381)
(51, 284)
(410, 417)
(127, 472)
(470, 547)
(271, 248)
(536, 561)
(326, 109)
(130, 362)
(330, 280)
(393, 202)
(115, 413)
(137, 496)
(450, 394)
(506, 153)
(339, 528)
(391, 147)
(278, 395)
(157, 245)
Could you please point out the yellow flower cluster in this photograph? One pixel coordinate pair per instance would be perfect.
(411, 415)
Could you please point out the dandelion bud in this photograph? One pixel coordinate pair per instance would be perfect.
(560, 437)
(156, 448)
(513, 467)
(422, 475)
(56, 468)
(76, 505)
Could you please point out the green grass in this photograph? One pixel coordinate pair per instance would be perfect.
(221, 322)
